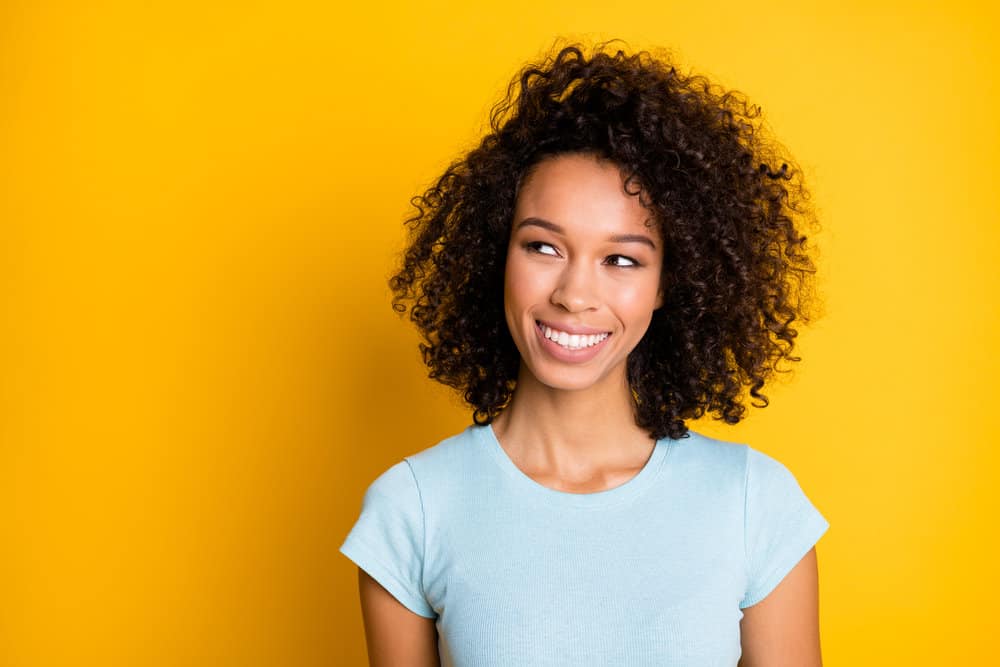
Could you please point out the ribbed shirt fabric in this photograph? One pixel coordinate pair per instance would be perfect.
(655, 571)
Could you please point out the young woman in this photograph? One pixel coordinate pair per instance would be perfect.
(622, 253)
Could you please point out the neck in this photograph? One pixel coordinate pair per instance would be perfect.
(560, 429)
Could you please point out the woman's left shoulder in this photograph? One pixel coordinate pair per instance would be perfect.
(723, 455)
(701, 450)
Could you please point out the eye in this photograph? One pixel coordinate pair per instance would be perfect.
(541, 248)
(621, 260)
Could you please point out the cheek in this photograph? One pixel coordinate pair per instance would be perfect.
(637, 296)
(510, 285)
(524, 285)
(638, 302)
(514, 293)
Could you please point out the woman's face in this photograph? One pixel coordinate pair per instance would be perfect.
(583, 273)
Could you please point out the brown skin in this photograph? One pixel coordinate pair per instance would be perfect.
(594, 263)
(396, 636)
(782, 630)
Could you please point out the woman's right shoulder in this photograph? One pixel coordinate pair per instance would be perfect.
(437, 462)
(452, 450)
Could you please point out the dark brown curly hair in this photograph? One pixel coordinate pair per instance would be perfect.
(730, 204)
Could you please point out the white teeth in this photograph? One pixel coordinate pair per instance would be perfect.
(572, 341)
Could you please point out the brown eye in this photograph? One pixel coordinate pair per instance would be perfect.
(541, 248)
(621, 260)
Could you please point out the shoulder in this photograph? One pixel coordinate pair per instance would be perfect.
(440, 461)
(701, 454)
(699, 450)
(450, 452)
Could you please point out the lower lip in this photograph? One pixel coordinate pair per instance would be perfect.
(572, 356)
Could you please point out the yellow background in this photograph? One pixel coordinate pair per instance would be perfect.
(201, 373)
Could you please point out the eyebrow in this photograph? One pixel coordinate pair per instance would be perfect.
(614, 238)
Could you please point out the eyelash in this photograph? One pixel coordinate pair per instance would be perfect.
(633, 265)
(535, 247)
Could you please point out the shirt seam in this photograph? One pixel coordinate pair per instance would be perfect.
(351, 548)
(746, 512)
(423, 530)
(807, 525)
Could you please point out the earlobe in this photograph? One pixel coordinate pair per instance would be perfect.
(659, 300)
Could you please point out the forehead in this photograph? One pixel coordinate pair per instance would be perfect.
(581, 192)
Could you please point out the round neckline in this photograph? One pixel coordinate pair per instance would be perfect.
(613, 496)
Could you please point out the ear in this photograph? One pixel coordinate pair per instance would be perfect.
(659, 299)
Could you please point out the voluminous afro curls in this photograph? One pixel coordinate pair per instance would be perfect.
(729, 203)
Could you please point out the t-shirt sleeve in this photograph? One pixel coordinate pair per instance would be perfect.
(780, 525)
(387, 541)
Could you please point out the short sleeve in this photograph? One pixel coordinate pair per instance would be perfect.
(780, 525)
(387, 541)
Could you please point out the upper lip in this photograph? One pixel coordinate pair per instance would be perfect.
(572, 328)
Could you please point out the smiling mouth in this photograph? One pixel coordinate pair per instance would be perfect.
(570, 341)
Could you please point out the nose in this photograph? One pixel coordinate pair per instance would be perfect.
(576, 290)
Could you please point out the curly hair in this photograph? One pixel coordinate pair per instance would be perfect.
(729, 202)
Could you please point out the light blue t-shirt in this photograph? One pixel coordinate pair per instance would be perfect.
(653, 572)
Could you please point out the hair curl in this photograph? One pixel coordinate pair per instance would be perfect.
(729, 202)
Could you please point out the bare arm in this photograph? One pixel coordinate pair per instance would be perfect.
(782, 630)
(396, 636)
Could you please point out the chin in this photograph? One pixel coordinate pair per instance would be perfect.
(565, 379)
